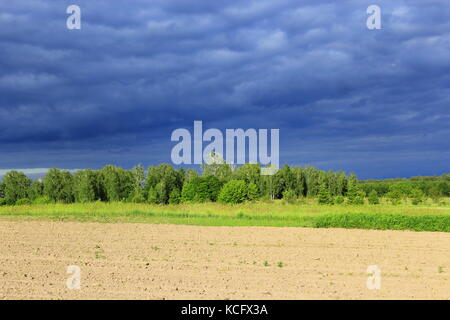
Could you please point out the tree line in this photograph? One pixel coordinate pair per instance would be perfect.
(164, 184)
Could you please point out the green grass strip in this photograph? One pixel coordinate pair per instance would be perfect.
(253, 214)
(380, 221)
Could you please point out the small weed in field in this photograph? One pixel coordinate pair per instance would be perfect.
(280, 264)
(211, 243)
(266, 263)
(99, 254)
(440, 269)
(155, 248)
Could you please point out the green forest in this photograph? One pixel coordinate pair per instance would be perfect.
(164, 184)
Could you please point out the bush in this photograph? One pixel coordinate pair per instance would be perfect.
(162, 195)
(175, 197)
(189, 190)
(42, 200)
(373, 197)
(23, 201)
(339, 200)
(417, 196)
(394, 197)
(289, 196)
(201, 189)
(152, 196)
(266, 198)
(3, 202)
(234, 191)
(354, 195)
(213, 185)
(137, 196)
(252, 191)
(435, 194)
(324, 196)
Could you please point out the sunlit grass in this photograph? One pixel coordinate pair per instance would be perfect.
(271, 213)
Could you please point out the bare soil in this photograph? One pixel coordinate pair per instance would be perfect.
(148, 261)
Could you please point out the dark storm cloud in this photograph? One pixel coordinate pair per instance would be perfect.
(344, 97)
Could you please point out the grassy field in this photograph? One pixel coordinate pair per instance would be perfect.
(427, 217)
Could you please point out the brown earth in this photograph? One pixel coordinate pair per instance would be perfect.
(145, 261)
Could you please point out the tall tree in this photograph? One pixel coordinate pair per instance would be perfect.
(85, 186)
(36, 190)
(312, 181)
(138, 174)
(164, 179)
(299, 181)
(16, 186)
(117, 183)
(58, 185)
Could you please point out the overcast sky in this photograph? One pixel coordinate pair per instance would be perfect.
(375, 102)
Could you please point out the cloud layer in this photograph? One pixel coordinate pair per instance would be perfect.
(344, 97)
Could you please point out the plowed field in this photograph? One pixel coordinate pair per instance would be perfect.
(150, 261)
